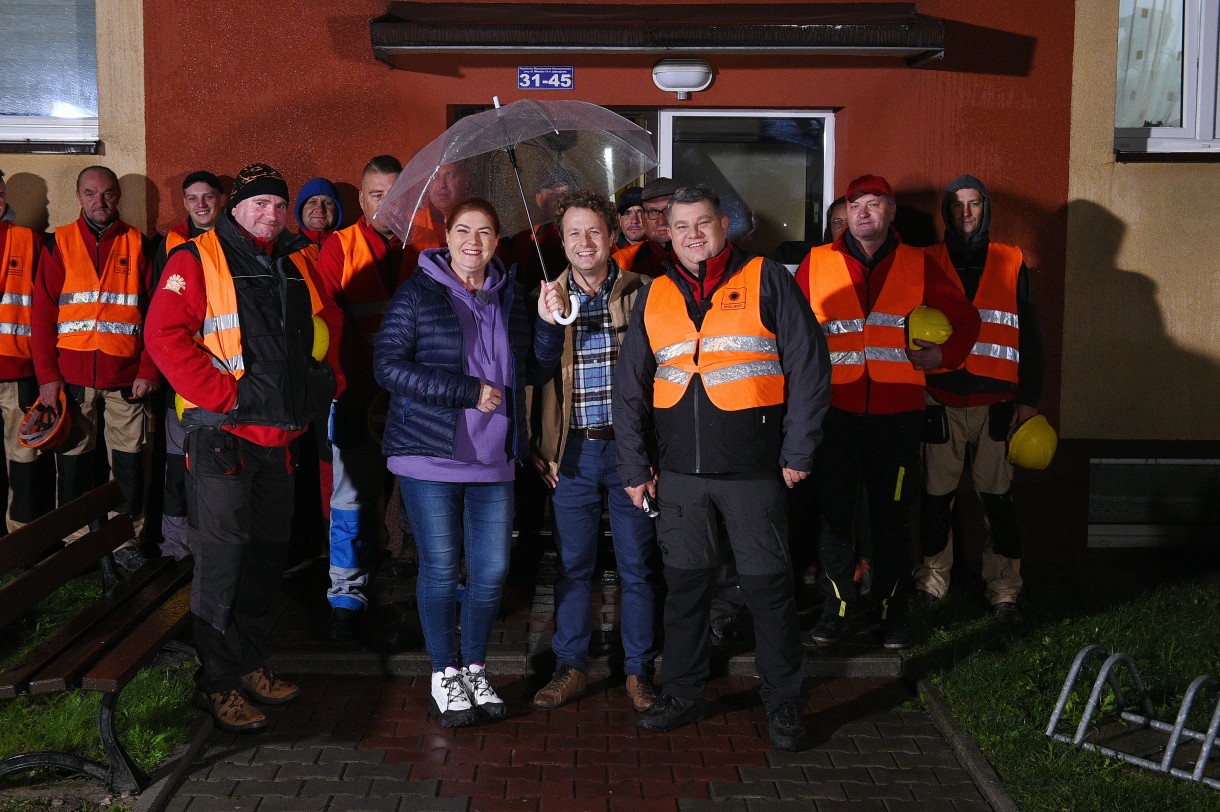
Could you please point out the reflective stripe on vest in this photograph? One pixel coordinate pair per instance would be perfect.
(363, 288)
(220, 333)
(997, 352)
(17, 284)
(100, 312)
(876, 342)
(736, 355)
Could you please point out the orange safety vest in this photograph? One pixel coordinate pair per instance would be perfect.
(17, 292)
(734, 353)
(366, 294)
(426, 232)
(220, 333)
(172, 240)
(100, 312)
(625, 257)
(997, 352)
(879, 340)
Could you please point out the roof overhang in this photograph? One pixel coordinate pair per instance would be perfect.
(851, 29)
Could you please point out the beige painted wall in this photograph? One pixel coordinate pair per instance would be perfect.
(1141, 329)
(41, 188)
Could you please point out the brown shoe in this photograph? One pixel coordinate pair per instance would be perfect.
(565, 686)
(265, 687)
(231, 711)
(642, 692)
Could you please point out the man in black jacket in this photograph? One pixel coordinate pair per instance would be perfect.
(724, 371)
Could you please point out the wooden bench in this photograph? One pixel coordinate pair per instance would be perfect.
(108, 642)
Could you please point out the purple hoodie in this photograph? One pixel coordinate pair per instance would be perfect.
(479, 447)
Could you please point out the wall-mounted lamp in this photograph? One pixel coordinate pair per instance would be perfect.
(682, 76)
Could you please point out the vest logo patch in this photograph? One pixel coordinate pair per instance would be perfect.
(734, 299)
(176, 284)
(121, 265)
(15, 266)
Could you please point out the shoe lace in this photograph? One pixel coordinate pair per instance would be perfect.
(479, 685)
(454, 689)
(232, 701)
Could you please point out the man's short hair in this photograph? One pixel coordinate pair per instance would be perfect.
(695, 194)
(202, 176)
(555, 177)
(588, 199)
(382, 165)
(105, 170)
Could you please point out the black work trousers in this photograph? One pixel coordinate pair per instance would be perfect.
(882, 452)
(239, 503)
(754, 511)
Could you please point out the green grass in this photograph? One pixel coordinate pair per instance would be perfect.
(1003, 682)
(154, 710)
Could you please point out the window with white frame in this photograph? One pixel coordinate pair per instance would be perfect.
(48, 73)
(1168, 64)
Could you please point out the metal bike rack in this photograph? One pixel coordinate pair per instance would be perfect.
(1177, 731)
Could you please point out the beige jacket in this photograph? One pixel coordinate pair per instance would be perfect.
(550, 411)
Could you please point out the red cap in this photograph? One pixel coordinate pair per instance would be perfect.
(869, 185)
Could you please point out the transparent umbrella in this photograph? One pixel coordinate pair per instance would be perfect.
(505, 155)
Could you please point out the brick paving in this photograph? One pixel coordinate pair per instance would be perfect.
(364, 741)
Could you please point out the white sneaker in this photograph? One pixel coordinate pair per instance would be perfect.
(451, 701)
(484, 696)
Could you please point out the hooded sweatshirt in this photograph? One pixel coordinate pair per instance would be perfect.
(479, 446)
(968, 253)
(313, 187)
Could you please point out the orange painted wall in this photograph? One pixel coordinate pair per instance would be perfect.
(296, 85)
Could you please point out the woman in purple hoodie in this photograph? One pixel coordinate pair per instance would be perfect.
(454, 351)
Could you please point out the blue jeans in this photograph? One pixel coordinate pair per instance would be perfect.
(446, 517)
(586, 471)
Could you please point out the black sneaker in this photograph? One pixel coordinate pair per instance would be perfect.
(341, 626)
(1006, 612)
(786, 728)
(922, 599)
(725, 627)
(129, 558)
(829, 629)
(895, 635)
(670, 713)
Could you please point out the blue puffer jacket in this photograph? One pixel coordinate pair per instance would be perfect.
(419, 351)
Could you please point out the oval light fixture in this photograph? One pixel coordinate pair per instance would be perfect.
(682, 76)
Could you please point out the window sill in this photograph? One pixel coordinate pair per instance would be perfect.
(51, 147)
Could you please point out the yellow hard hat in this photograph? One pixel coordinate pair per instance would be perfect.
(179, 405)
(1033, 444)
(928, 324)
(321, 339)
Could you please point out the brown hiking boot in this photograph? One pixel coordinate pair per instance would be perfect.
(265, 687)
(565, 686)
(231, 711)
(642, 692)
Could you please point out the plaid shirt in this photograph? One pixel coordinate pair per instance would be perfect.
(594, 352)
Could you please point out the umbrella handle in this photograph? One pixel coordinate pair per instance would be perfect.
(571, 317)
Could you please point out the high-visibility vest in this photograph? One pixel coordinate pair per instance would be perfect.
(100, 311)
(997, 352)
(17, 292)
(877, 340)
(220, 333)
(625, 257)
(362, 285)
(733, 352)
(174, 237)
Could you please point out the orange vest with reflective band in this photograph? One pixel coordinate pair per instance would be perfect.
(220, 333)
(366, 294)
(736, 356)
(997, 352)
(879, 340)
(16, 292)
(100, 312)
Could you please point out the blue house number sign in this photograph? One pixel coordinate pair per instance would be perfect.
(533, 77)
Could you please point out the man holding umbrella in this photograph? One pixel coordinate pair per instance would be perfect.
(725, 368)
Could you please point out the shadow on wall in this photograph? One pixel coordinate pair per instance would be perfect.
(1130, 378)
(133, 185)
(27, 194)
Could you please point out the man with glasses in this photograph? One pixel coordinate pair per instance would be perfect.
(648, 256)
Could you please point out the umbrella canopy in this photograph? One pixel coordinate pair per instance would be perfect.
(582, 144)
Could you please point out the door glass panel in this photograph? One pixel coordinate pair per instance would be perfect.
(772, 169)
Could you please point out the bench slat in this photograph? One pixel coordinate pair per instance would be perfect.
(48, 575)
(16, 680)
(62, 673)
(118, 666)
(28, 542)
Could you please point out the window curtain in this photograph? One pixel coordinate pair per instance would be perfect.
(1150, 41)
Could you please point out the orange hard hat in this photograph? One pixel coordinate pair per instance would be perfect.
(44, 427)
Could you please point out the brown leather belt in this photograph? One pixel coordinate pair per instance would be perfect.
(602, 433)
